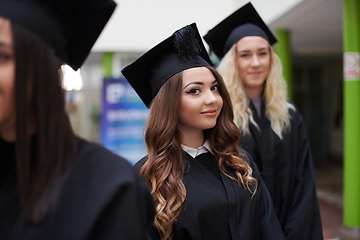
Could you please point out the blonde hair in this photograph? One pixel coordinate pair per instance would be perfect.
(274, 94)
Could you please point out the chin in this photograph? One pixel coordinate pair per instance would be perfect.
(209, 126)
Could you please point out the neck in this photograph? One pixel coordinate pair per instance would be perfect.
(253, 92)
(193, 139)
(8, 137)
(8, 132)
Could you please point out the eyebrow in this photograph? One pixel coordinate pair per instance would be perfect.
(246, 50)
(199, 83)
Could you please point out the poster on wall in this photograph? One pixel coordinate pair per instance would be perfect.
(351, 66)
(123, 118)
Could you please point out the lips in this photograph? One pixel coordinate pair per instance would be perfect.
(211, 112)
(255, 73)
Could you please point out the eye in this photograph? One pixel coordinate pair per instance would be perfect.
(263, 53)
(194, 91)
(244, 55)
(215, 88)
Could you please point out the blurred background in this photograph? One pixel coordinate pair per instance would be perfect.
(315, 37)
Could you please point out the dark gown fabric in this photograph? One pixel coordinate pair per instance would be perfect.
(222, 208)
(286, 167)
(102, 198)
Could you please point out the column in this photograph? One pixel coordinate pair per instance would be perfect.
(283, 50)
(108, 64)
(351, 36)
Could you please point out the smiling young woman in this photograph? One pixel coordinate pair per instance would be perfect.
(253, 64)
(272, 129)
(200, 105)
(204, 187)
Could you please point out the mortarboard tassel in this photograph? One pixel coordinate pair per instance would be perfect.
(186, 44)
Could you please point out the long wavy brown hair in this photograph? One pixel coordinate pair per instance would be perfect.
(164, 168)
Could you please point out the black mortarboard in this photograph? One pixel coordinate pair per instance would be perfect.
(184, 49)
(242, 23)
(70, 27)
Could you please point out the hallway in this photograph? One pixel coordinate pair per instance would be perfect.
(329, 184)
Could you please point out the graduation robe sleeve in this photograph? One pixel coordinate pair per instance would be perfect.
(223, 209)
(287, 169)
(102, 198)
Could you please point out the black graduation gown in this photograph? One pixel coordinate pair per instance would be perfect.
(287, 169)
(223, 209)
(102, 198)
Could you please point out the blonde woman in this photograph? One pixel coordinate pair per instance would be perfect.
(272, 129)
(204, 187)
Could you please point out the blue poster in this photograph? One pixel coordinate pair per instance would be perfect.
(123, 118)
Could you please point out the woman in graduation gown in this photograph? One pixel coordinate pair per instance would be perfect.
(273, 131)
(54, 185)
(203, 186)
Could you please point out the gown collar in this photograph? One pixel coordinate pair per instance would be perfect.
(194, 152)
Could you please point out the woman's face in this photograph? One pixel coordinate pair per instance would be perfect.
(200, 102)
(253, 61)
(7, 76)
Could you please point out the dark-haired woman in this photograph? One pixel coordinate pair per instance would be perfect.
(54, 185)
(203, 186)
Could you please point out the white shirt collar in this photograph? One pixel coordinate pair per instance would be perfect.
(194, 152)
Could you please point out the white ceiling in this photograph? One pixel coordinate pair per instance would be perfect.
(137, 25)
(315, 26)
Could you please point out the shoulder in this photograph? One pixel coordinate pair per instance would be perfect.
(98, 177)
(85, 147)
(247, 158)
(95, 161)
(291, 107)
(101, 190)
(245, 155)
(295, 116)
(139, 164)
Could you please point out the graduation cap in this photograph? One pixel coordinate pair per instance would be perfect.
(184, 49)
(242, 23)
(69, 27)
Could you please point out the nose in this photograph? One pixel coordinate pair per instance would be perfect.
(210, 98)
(255, 61)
